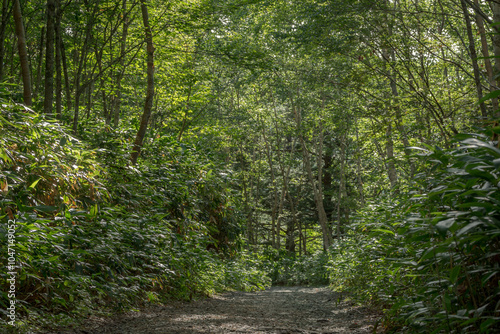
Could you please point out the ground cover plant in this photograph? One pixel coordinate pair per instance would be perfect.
(431, 257)
(86, 240)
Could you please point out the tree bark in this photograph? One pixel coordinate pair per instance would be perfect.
(58, 61)
(391, 166)
(81, 64)
(275, 233)
(473, 56)
(38, 79)
(119, 77)
(342, 188)
(3, 26)
(495, 8)
(358, 167)
(148, 104)
(316, 186)
(486, 55)
(49, 58)
(66, 76)
(23, 53)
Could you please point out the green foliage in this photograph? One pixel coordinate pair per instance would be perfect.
(284, 269)
(94, 234)
(432, 257)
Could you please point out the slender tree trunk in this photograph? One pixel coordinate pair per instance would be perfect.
(358, 168)
(275, 235)
(119, 77)
(148, 104)
(486, 55)
(316, 186)
(81, 65)
(90, 92)
(3, 26)
(473, 56)
(38, 79)
(12, 52)
(495, 9)
(23, 53)
(391, 166)
(49, 58)
(341, 184)
(106, 111)
(58, 61)
(66, 76)
(391, 75)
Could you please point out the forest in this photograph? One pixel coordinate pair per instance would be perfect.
(158, 150)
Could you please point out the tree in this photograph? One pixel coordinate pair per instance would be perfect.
(148, 104)
(49, 56)
(23, 53)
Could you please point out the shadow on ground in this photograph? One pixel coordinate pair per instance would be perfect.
(278, 310)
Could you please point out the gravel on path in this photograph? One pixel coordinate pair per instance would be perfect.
(277, 310)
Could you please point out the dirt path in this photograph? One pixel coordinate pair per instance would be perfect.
(278, 310)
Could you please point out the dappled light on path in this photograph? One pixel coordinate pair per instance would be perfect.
(278, 310)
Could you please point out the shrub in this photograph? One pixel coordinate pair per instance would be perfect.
(432, 256)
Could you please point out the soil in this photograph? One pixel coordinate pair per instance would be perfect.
(277, 310)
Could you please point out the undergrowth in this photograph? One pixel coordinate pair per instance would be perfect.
(431, 257)
(93, 234)
(284, 269)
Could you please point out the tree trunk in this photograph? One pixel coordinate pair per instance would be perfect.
(486, 55)
(358, 167)
(341, 184)
(275, 233)
(495, 8)
(3, 26)
(81, 64)
(473, 56)
(391, 75)
(58, 61)
(12, 52)
(148, 104)
(119, 77)
(316, 186)
(38, 79)
(23, 53)
(49, 58)
(391, 166)
(66, 76)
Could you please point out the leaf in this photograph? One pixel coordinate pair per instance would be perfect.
(480, 143)
(444, 225)
(33, 185)
(43, 208)
(384, 231)
(454, 272)
(480, 310)
(94, 210)
(467, 228)
(487, 323)
(489, 96)
(488, 276)
(477, 204)
(496, 162)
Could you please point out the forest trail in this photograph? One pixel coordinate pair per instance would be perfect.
(278, 310)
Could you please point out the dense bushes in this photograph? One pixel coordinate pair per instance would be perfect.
(94, 234)
(284, 269)
(433, 256)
